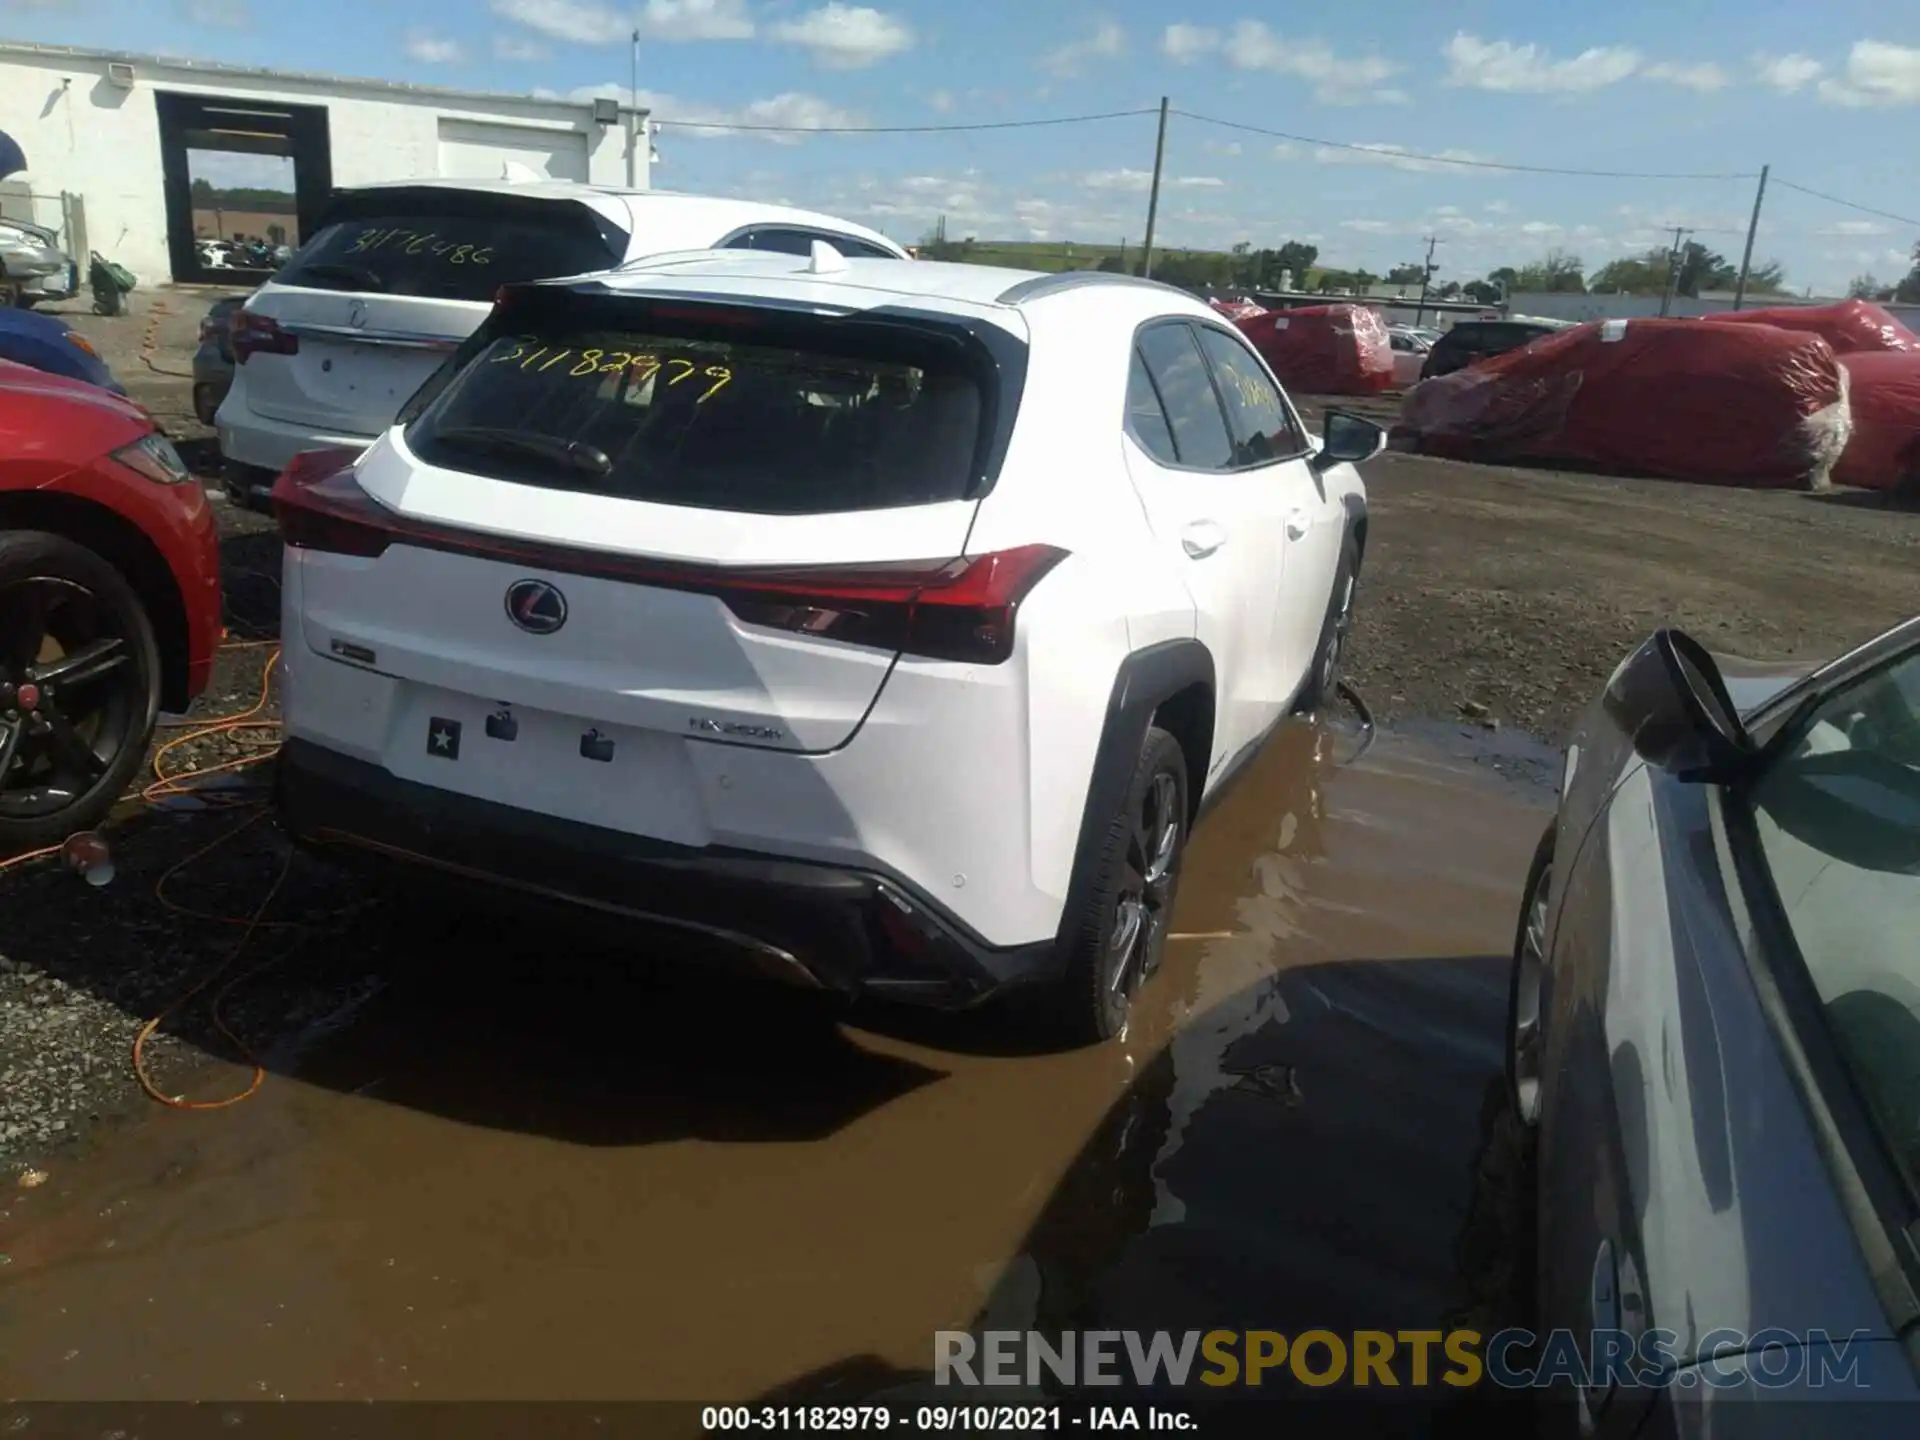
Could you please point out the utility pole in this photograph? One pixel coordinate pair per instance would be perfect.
(1673, 270)
(1153, 195)
(1426, 279)
(633, 115)
(1753, 227)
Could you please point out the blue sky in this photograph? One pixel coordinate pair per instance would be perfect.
(1710, 87)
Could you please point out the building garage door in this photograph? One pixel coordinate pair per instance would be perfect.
(476, 150)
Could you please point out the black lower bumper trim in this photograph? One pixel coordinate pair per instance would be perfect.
(820, 926)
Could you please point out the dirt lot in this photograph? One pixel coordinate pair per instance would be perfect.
(1504, 594)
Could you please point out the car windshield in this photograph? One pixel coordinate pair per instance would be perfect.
(448, 257)
(719, 422)
(1839, 821)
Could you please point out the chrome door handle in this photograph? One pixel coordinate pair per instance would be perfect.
(1201, 539)
(1298, 523)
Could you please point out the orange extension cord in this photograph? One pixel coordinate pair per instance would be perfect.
(180, 782)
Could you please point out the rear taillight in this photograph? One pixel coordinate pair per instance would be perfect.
(260, 335)
(943, 610)
(961, 610)
(320, 506)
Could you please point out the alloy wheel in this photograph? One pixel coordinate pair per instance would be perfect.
(1336, 640)
(71, 695)
(1529, 961)
(1146, 891)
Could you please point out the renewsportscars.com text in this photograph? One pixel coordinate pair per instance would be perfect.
(1510, 1359)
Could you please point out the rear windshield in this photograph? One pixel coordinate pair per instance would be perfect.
(766, 425)
(446, 257)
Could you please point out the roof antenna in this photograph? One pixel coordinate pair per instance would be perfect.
(823, 259)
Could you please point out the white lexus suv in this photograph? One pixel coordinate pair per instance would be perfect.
(397, 275)
(891, 621)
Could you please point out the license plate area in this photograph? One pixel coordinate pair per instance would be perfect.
(624, 778)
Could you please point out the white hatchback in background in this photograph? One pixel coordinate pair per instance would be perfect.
(1410, 347)
(891, 621)
(396, 276)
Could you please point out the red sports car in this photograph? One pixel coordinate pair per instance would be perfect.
(109, 599)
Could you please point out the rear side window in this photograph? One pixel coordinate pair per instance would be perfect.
(785, 424)
(1186, 390)
(1145, 416)
(445, 257)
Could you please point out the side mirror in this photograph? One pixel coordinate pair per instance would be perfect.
(1670, 698)
(1347, 440)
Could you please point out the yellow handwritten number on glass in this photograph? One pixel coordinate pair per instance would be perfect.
(588, 363)
(683, 374)
(720, 375)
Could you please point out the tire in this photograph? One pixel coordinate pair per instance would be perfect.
(59, 595)
(1323, 677)
(1130, 903)
(1524, 991)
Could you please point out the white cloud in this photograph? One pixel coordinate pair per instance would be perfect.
(1497, 207)
(1200, 182)
(427, 48)
(1503, 65)
(1140, 180)
(585, 22)
(793, 112)
(1454, 162)
(1106, 42)
(1787, 73)
(846, 37)
(228, 14)
(1877, 74)
(1855, 227)
(1219, 147)
(515, 47)
(1337, 79)
(1705, 77)
(941, 101)
(1541, 227)
(1372, 227)
(1286, 150)
(1183, 44)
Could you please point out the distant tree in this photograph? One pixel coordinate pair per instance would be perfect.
(1558, 272)
(1907, 292)
(1406, 275)
(1112, 265)
(1481, 292)
(1632, 275)
(1504, 277)
(1449, 291)
(1297, 257)
(1869, 287)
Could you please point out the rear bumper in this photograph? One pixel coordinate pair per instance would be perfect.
(269, 445)
(818, 926)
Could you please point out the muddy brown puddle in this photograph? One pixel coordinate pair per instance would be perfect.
(522, 1170)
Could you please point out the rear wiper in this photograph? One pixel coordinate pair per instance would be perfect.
(352, 274)
(483, 439)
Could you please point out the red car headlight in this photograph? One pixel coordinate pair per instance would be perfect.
(154, 457)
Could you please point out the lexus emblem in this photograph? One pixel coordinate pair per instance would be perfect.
(536, 607)
(357, 314)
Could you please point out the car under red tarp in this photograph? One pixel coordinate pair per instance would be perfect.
(1677, 399)
(1324, 349)
(1851, 327)
(1884, 396)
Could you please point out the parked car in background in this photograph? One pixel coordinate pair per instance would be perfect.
(888, 620)
(1473, 340)
(33, 267)
(109, 599)
(48, 343)
(396, 276)
(213, 359)
(1410, 349)
(1715, 1027)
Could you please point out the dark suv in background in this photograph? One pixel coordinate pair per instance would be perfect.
(1473, 340)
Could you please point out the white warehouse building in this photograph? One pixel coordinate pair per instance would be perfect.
(147, 159)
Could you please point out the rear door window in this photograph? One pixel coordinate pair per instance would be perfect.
(445, 256)
(798, 421)
(1193, 411)
(800, 242)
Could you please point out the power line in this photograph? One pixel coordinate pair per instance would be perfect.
(1382, 153)
(903, 129)
(1847, 204)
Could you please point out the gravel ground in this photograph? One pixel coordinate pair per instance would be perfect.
(1499, 597)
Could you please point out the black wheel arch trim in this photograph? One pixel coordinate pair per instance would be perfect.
(1146, 680)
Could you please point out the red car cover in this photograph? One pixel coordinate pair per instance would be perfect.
(1884, 452)
(1324, 349)
(1237, 310)
(1681, 399)
(1849, 326)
